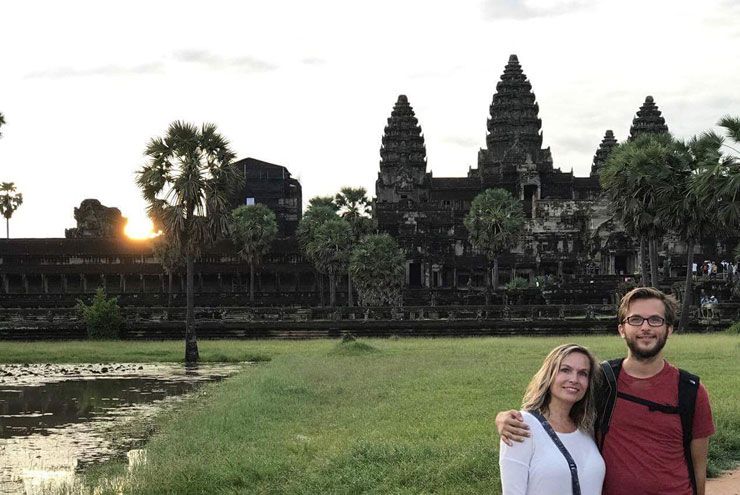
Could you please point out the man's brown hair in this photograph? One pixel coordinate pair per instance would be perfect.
(671, 306)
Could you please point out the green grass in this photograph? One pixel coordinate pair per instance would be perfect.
(379, 416)
(123, 351)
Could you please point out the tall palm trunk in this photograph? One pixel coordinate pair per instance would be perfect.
(169, 289)
(644, 270)
(320, 278)
(687, 293)
(251, 282)
(332, 290)
(7, 228)
(494, 282)
(349, 289)
(654, 279)
(191, 342)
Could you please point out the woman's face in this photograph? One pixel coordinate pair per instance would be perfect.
(571, 379)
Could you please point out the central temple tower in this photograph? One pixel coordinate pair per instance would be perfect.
(514, 139)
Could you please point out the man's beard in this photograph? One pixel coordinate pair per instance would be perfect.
(643, 355)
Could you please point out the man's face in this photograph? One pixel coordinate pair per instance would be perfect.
(645, 341)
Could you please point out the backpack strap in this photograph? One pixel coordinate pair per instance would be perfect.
(607, 397)
(688, 387)
(575, 484)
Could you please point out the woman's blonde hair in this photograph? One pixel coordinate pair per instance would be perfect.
(537, 396)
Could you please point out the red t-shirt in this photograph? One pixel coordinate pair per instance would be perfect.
(643, 450)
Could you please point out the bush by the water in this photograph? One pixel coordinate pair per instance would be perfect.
(102, 316)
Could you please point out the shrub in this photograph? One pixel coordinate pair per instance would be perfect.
(517, 283)
(102, 317)
(734, 329)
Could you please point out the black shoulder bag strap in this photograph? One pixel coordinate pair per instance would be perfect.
(571, 463)
(608, 397)
(688, 386)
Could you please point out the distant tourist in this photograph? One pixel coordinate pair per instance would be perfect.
(653, 420)
(559, 404)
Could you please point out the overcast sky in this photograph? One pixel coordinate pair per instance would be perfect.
(310, 85)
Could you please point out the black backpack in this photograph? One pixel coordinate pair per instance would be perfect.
(688, 385)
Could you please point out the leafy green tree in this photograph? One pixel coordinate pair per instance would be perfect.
(354, 206)
(102, 316)
(377, 266)
(329, 249)
(717, 181)
(701, 197)
(10, 200)
(188, 184)
(327, 201)
(253, 228)
(170, 256)
(683, 212)
(316, 214)
(495, 222)
(631, 178)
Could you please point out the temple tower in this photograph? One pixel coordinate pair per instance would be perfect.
(403, 161)
(648, 120)
(514, 138)
(606, 147)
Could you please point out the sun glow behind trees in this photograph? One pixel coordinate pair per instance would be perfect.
(139, 227)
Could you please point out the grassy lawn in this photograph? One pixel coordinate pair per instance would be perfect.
(399, 416)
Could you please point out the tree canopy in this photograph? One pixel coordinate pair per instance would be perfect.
(329, 249)
(253, 229)
(495, 223)
(10, 200)
(189, 184)
(377, 266)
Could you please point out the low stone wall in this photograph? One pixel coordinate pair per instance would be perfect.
(323, 322)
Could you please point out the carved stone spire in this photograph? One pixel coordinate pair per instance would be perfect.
(648, 120)
(403, 157)
(514, 122)
(403, 142)
(606, 147)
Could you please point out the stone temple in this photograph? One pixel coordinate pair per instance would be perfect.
(570, 237)
(569, 229)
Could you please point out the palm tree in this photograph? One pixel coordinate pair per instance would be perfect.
(718, 180)
(327, 201)
(377, 265)
(495, 222)
(316, 214)
(632, 176)
(685, 214)
(703, 196)
(354, 207)
(253, 228)
(10, 200)
(329, 248)
(188, 184)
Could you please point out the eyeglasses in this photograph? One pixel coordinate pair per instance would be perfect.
(637, 320)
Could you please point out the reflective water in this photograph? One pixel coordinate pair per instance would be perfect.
(56, 419)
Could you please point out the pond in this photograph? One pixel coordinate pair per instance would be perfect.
(57, 419)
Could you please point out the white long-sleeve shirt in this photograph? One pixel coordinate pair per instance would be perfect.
(537, 467)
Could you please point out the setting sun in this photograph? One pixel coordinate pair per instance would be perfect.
(139, 227)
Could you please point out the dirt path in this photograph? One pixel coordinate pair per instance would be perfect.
(729, 484)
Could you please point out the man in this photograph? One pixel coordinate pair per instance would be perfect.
(643, 449)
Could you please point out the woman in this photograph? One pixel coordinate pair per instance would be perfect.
(560, 398)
